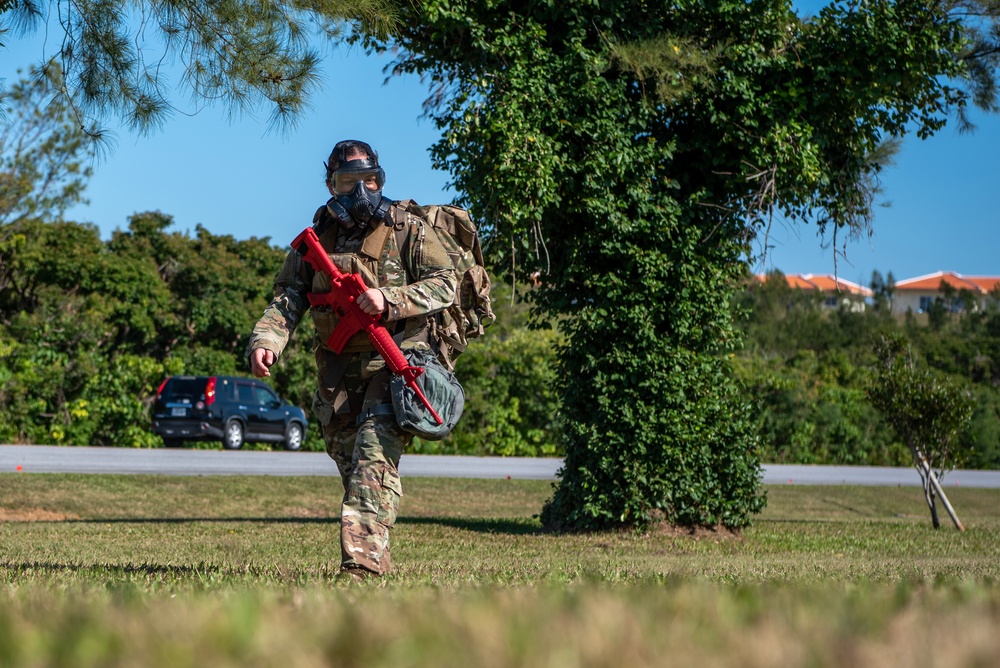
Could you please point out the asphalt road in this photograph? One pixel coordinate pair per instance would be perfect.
(56, 459)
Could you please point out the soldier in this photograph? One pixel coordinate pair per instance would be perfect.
(410, 277)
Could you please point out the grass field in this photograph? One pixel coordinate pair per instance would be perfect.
(241, 571)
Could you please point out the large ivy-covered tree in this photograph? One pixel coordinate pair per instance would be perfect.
(630, 152)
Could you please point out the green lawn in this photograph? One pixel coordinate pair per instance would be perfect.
(241, 571)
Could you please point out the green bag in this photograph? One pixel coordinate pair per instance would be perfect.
(442, 390)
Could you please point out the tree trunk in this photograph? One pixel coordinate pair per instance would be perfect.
(931, 487)
(929, 495)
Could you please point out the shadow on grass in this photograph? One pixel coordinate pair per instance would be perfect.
(526, 527)
(115, 569)
(475, 524)
(192, 520)
(123, 577)
(798, 520)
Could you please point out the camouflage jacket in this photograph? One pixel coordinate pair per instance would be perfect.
(411, 268)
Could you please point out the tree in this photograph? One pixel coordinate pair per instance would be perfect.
(247, 55)
(884, 290)
(629, 152)
(45, 158)
(928, 411)
(89, 328)
(204, 293)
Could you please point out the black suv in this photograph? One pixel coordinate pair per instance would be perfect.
(224, 408)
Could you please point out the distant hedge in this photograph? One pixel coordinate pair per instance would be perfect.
(808, 366)
(89, 328)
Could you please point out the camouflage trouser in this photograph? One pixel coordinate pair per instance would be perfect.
(367, 454)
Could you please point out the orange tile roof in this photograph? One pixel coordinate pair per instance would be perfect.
(831, 283)
(932, 282)
(800, 282)
(927, 283)
(987, 283)
(793, 280)
(821, 282)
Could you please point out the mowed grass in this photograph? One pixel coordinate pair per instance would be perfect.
(241, 571)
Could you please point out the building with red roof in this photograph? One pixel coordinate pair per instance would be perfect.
(911, 294)
(918, 294)
(839, 292)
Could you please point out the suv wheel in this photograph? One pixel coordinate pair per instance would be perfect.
(293, 436)
(232, 438)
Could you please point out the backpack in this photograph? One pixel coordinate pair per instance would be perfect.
(471, 313)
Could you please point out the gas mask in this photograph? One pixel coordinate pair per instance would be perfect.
(354, 202)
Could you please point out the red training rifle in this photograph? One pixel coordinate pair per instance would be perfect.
(344, 291)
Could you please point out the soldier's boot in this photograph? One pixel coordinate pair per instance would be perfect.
(368, 513)
(355, 574)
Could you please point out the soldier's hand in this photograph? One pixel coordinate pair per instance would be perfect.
(371, 301)
(260, 360)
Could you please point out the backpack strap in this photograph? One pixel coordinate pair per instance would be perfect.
(374, 244)
(399, 218)
(395, 220)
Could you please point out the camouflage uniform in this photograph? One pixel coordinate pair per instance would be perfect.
(413, 270)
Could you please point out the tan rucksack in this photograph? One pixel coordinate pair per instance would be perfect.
(471, 313)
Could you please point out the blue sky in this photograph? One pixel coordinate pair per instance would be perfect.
(234, 177)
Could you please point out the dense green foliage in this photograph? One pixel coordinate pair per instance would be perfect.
(559, 151)
(812, 369)
(89, 328)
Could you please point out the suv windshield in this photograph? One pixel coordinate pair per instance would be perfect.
(184, 387)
